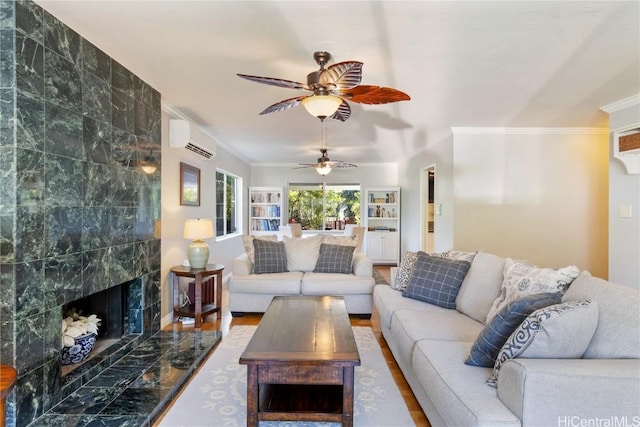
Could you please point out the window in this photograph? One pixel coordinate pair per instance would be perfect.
(227, 209)
(324, 206)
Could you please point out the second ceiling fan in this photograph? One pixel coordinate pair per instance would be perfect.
(324, 165)
(331, 88)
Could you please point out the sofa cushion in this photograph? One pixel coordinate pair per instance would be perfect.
(560, 331)
(302, 253)
(458, 391)
(247, 242)
(481, 286)
(276, 283)
(490, 341)
(436, 280)
(411, 326)
(335, 284)
(335, 259)
(404, 271)
(270, 257)
(522, 279)
(389, 300)
(618, 317)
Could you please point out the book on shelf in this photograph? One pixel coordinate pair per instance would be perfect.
(266, 224)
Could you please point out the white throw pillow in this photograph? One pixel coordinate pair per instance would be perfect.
(522, 279)
(302, 253)
(247, 242)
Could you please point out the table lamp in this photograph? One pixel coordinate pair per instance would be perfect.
(197, 230)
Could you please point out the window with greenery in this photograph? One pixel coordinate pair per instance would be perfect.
(227, 210)
(324, 206)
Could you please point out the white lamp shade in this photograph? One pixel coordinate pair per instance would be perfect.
(198, 229)
(321, 106)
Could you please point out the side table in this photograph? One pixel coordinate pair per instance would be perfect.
(8, 377)
(196, 309)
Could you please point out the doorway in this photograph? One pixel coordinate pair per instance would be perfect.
(427, 213)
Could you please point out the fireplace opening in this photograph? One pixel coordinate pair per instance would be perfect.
(114, 307)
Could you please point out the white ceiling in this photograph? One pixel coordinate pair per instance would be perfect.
(467, 64)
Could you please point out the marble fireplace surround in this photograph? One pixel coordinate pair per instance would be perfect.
(76, 214)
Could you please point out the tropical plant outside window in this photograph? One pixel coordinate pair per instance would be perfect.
(324, 206)
(226, 203)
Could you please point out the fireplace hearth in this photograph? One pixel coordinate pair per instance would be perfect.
(146, 373)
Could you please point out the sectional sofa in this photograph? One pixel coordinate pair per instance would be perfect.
(348, 274)
(581, 370)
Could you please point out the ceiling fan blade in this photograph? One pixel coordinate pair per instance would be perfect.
(339, 164)
(374, 95)
(275, 82)
(342, 113)
(283, 105)
(306, 165)
(344, 75)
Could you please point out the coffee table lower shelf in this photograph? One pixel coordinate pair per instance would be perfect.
(300, 402)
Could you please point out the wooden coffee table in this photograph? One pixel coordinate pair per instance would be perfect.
(300, 362)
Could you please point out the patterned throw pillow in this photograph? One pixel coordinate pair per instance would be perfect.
(488, 344)
(335, 259)
(404, 271)
(436, 280)
(340, 240)
(561, 331)
(522, 279)
(247, 242)
(461, 255)
(270, 257)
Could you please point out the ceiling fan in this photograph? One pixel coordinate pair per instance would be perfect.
(331, 88)
(324, 165)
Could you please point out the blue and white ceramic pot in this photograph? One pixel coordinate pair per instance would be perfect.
(79, 350)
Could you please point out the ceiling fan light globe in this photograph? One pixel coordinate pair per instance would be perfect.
(323, 169)
(321, 106)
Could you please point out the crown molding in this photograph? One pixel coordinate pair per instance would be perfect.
(527, 131)
(622, 104)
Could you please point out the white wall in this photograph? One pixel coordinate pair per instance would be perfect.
(440, 155)
(624, 189)
(538, 194)
(174, 247)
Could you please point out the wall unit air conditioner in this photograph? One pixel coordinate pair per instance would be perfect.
(626, 148)
(180, 137)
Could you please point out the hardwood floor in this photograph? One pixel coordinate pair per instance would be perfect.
(225, 323)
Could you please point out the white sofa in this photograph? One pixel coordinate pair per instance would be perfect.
(431, 343)
(252, 293)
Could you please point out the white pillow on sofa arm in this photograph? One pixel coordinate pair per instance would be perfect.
(560, 331)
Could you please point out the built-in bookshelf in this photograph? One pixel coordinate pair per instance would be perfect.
(382, 219)
(265, 210)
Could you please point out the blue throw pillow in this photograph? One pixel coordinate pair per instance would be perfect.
(488, 344)
(269, 257)
(436, 280)
(334, 259)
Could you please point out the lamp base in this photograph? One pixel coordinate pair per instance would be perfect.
(198, 254)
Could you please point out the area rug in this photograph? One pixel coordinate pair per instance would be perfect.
(380, 280)
(216, 395)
